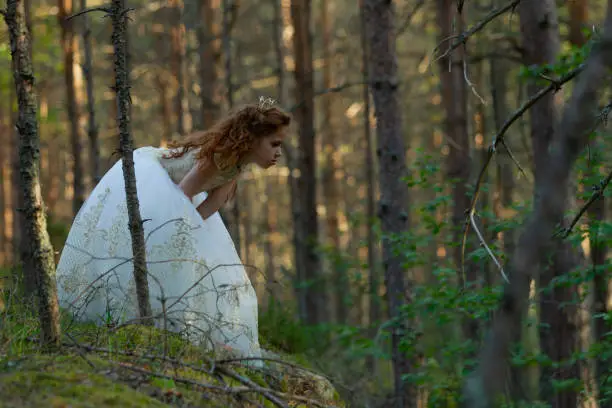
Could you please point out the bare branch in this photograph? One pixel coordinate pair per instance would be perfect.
(498, 139)
(598, 189)
(484, 243)
(89, 10)
(338, 88)
(409, 17)
(462, 38)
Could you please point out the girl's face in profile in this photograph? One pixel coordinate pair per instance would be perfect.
(268, 149)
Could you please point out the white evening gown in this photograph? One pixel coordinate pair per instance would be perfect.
(208, 294)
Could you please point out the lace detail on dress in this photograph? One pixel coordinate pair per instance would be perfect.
(178, 167)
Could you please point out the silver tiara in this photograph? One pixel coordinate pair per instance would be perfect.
(266, 103)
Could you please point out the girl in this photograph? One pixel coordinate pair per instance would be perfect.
(194, 270)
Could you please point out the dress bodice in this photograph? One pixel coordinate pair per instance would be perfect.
(178, 167)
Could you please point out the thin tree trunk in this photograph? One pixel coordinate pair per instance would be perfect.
(69, 46)
(393, 213)
(234, 216)
(454, 98)
(307, 224)
(5, 182)
(331, 158)
(373, 255)
(178, 67)
(40, 250)
(164, 107)
(270, 226)
(208, 59)
(122, 89)
(92, 128)
(502, 199)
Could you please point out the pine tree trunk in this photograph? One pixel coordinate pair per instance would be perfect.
(393, 213)
(373, 255)
(307, 226)
(69, 46)
(459, 163)
(178, 67)
(92, 128)
(233, 218)
(208, 59)
(122, 89)
(40, 251)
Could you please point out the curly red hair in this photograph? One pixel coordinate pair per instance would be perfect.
(231, 138)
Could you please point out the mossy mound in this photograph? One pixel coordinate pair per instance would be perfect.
(142, 367)
(65, 381)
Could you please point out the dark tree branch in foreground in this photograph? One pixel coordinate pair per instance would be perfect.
(489, 381)
(498, 139)
(41, 259)
(122, 89)
(460, 39)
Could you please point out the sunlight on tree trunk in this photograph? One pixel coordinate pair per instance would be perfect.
(73, 104)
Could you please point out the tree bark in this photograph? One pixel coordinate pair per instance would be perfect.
(379, 15)
(459, 163)
(40, 254)
(578, 13)
(177, 33)
(69, 47)
(208, 59)
(233, 220)
(373, 255)
(307, 223)
(558, 337)
(580, 115)
(331, 158)
(122, 89)
(92, 125)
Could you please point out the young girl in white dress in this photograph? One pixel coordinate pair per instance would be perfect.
(194, 270)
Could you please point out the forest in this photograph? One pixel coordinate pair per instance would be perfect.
(434, 235)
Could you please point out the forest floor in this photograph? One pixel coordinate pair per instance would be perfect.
(137, 366)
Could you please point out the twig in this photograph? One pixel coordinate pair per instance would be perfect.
(484, 243)
(463, 37)
(599, 190)
(268, 393)
(499, 139)
(89, 10)
(334, 89)
(227, 390)
(409, 17)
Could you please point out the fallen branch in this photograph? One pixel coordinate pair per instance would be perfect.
(268, 393)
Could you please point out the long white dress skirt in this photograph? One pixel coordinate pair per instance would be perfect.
(193, 266)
